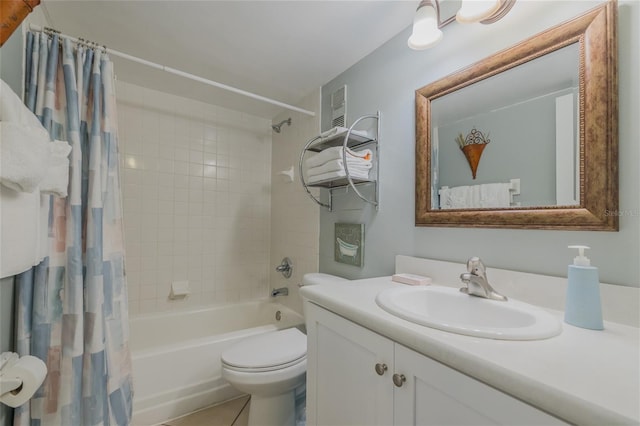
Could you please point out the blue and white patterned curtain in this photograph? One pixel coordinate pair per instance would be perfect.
(72, 308)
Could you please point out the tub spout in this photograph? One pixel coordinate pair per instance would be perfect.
(282, 291)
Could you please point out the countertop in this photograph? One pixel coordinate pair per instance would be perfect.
(584, 377)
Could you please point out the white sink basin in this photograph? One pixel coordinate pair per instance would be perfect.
(450, 310)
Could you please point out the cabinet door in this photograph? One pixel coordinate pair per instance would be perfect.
(343, 387)
(434, 394)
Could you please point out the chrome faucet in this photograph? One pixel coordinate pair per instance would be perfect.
(477, 282)
(282, 291)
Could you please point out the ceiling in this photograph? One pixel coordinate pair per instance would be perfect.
(282, 50)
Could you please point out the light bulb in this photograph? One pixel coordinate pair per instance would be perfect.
(425, 29)
(476, 10)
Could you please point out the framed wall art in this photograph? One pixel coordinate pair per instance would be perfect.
(349, 243)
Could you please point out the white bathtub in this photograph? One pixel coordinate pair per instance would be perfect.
(176, 356)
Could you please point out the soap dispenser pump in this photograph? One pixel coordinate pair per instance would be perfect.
(583, 307)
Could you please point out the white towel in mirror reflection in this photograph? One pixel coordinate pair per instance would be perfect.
(488, 195)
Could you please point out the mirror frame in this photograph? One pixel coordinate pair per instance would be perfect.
(596, 33)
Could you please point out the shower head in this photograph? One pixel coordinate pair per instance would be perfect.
(276, 127)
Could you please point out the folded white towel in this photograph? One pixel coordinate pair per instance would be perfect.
(24, 152)
(337, 175)
(335, 165)
(56, 179)
(24, 144)
(335, 153)
(340, 131)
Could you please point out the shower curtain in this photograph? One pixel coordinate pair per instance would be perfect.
(72, 308)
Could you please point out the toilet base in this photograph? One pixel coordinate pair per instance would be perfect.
(274, 410)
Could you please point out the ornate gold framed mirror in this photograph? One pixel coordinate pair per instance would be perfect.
(575, 185)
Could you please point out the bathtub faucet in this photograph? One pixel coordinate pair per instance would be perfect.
(286, 267)
(282, 291)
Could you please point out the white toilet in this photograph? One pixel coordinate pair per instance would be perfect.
(270, 367)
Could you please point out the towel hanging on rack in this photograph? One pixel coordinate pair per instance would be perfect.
(489, 195)
(28, 159)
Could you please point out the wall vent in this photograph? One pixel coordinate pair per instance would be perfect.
(339, 107)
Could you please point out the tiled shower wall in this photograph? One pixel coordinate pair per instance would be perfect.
(295, 218)
(196, 197)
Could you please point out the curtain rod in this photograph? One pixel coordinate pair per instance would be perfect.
(187, 75)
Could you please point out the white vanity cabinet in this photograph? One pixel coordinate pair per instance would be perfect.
(358, 377)
(343, 387)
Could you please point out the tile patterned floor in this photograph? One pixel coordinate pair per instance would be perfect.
(230, 413)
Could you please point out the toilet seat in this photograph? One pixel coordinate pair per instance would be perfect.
(264, 369)
(267, 352)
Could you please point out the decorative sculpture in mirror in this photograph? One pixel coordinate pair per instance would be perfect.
(573, 120)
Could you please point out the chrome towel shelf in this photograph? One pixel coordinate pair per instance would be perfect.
(349, 140)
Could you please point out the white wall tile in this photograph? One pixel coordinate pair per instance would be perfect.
(184, 218)
(294, 226)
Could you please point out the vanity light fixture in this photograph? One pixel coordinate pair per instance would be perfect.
(483, 11)
(425, 26)
(427, 20)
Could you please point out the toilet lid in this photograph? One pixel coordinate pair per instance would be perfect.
(267, 350)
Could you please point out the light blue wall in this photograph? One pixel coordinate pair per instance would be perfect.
(525, 157)
(386, 80)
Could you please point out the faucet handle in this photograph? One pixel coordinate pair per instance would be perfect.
(286, 267)
(476, 267)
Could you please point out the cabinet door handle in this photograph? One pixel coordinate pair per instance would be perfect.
(399, 379)
(381, 368)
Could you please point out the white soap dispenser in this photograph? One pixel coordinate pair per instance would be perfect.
(583, 307)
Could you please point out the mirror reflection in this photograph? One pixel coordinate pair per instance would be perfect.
(527, 118)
